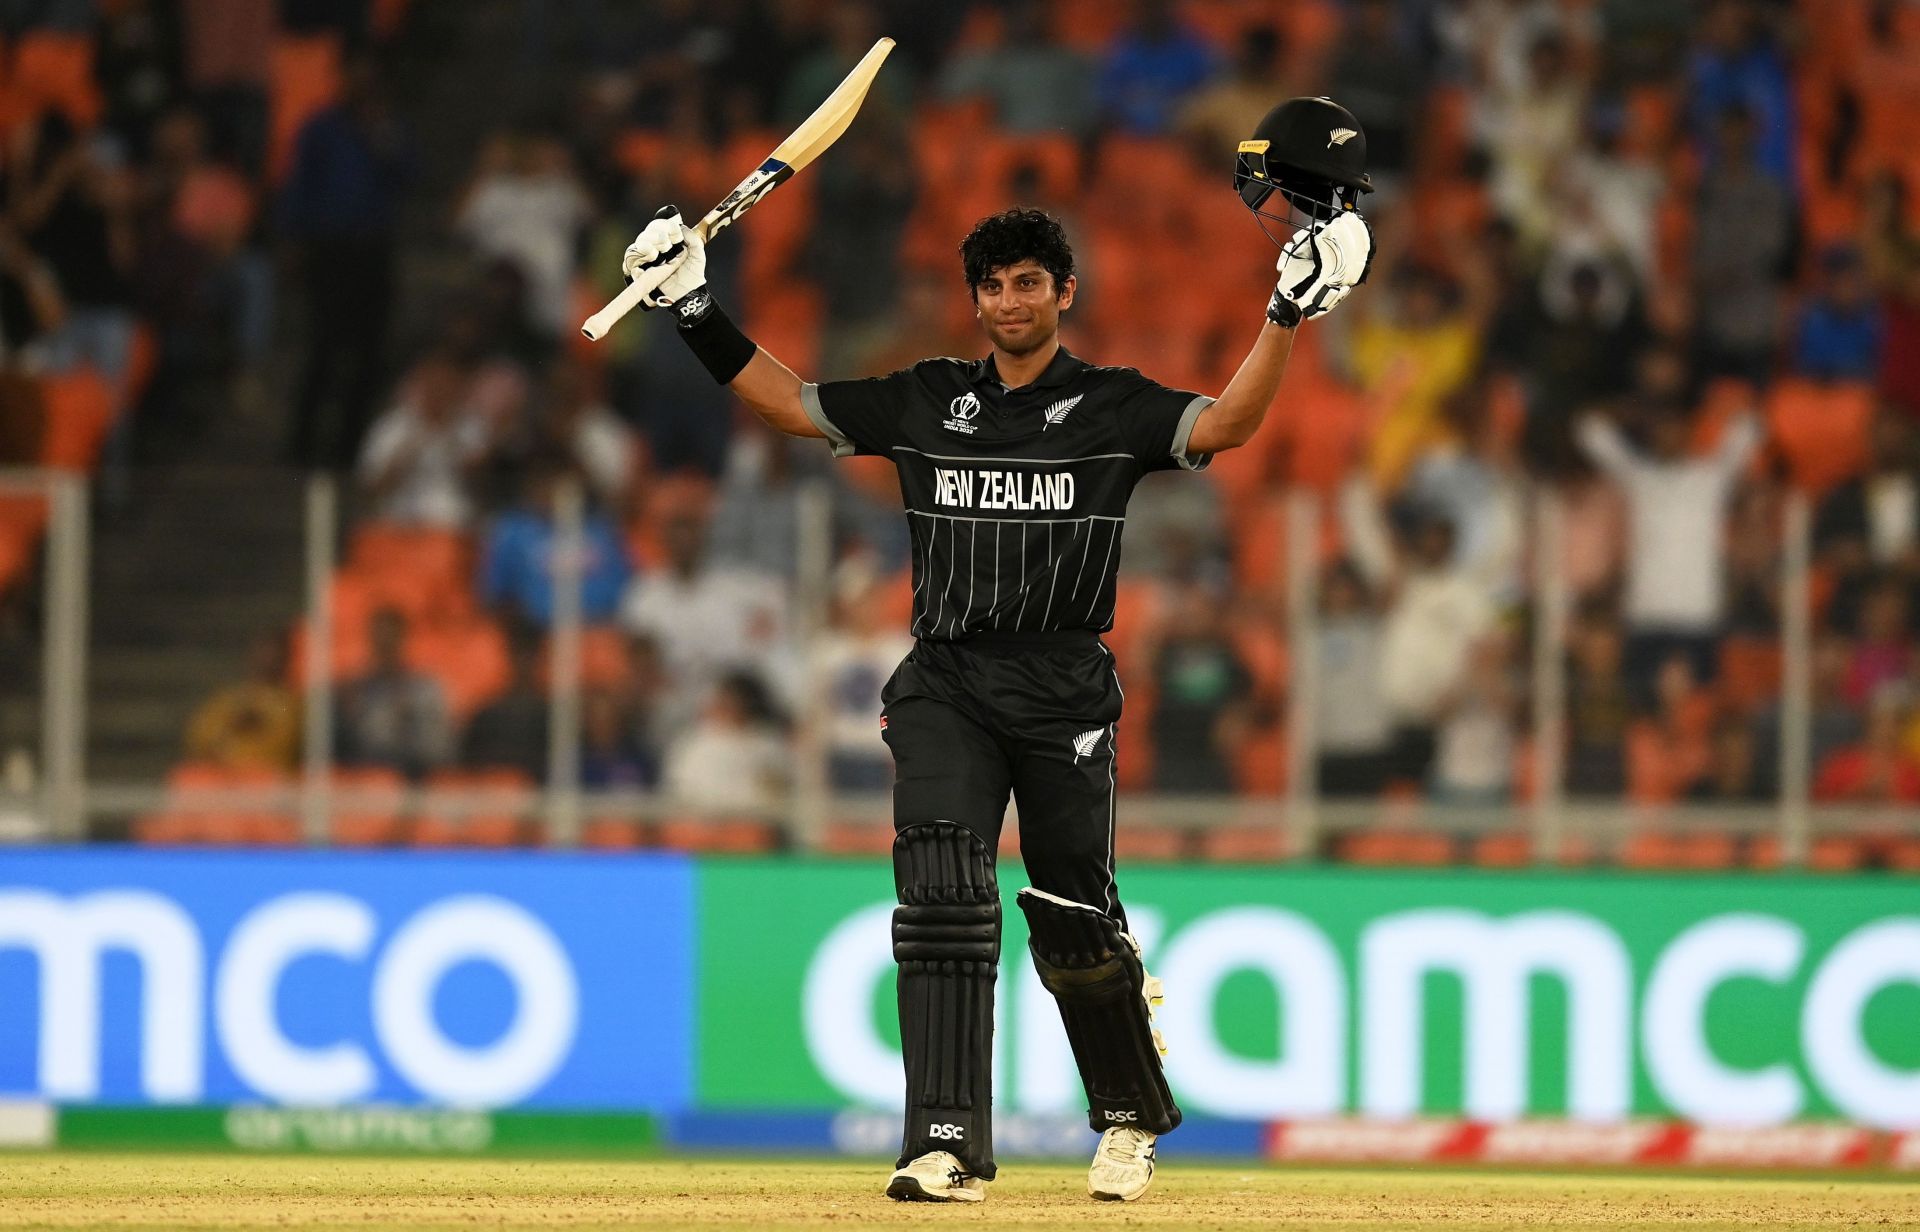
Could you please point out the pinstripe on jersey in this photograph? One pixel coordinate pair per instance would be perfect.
(1015, 508)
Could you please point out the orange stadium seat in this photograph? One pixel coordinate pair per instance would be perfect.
(469, 658)
(1260, 762)
(305, 79)
(54, 71)
(612, 834)
(495, 813)
(23, 519)
(1133, 841)
(1659, 849)
(1820, 429)
(1237, 844)
(857, 838)
(1420, 848)
(1750, 669)
(1830, 853)
(367, 806)
(80, 412)
(718, 835)
(185, 820)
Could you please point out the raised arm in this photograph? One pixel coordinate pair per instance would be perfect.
(1317, 270)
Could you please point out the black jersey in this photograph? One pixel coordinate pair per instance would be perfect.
(1016, 499)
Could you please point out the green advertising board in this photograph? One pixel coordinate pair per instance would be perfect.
(1301, 993)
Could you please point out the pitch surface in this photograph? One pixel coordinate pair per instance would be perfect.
(164, 1191)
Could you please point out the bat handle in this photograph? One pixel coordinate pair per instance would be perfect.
(596, 326)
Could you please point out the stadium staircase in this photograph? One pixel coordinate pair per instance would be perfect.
(207, 557)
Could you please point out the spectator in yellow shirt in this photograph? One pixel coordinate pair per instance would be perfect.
(252, 724)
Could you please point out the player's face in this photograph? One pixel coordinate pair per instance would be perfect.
(1020, 307)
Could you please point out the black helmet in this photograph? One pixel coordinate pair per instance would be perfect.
(1313, 151)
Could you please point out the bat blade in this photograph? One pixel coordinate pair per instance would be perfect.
(814, 136)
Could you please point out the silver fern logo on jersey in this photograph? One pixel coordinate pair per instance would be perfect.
(1084, 742)
(961, 412)
(1058, 411)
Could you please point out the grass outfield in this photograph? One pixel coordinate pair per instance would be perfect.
(171, 1191)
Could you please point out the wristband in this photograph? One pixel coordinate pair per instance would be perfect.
(1283, 311)
(714, 339)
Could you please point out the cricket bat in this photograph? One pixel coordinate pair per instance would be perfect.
(806, 143)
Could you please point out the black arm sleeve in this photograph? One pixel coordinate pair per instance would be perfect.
(1156, 422)
(861, 416)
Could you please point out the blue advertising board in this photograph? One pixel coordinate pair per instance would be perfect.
(456, 979)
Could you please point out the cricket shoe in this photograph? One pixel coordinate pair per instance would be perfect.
(936, 1177)
(1122, 1165)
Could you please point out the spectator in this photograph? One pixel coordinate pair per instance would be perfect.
(1202, 695)
(393, 716)
(1582, 349)
(526, 205)
(1880, 655)
(579, 426)
(423, 456)
(851, 29)
(254, 724)
(1034, 84)
(1732, 773)
(864, 200)
(1530, 122)
(1869, 526)
(731, 759)
(1836, 722)
(1153, 66)
(342, 204)
(1472, 479)
(72, 200)
(1377, 77)
(1892, 252)
(1837, 337)
(756, 515)
(511, 730)
(1879, 770)
(611, 758)
(1599, 710)
(707, 619)
(1676, 559)
(1476, 743)
(521, 550)
(1736, 64)
(1669, 751)
(854, 660)
(1218, 118)
(1409, 358)
(31, 306)
(1741, 250)
(1350, 713)
(1436, 611)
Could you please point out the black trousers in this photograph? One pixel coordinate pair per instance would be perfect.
(1031, 716)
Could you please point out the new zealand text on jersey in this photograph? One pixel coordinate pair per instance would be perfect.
(1026, 492)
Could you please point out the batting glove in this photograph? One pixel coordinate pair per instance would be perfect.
(1320, 267)
(670, 255)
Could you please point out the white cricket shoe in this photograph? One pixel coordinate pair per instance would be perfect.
(1122, 1165)
(936, 1176)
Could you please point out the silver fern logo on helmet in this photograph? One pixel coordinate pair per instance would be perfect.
(1340, 136)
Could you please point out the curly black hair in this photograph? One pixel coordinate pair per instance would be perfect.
(1012, 236)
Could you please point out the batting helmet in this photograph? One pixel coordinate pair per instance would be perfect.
(1313, 152)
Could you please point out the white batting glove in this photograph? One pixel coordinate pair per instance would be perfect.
(670, 256)
(1322, 265)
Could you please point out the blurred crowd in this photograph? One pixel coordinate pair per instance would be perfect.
(1658, 261)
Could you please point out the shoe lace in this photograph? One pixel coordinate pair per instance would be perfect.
(1122, 1145)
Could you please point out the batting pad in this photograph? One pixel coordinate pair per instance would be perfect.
(946, 938)
(1093, 969)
